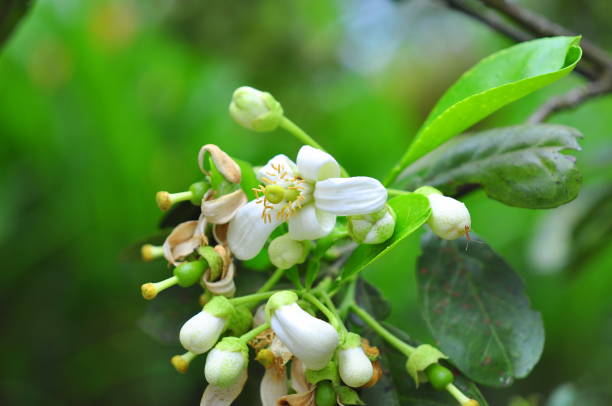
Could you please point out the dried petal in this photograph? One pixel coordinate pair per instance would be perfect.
(220, 233)
(280, 350)
(375, 376)
(224, 163)
(224, 286)
(222, 209)
(298, 399)
(298, 376)
(215, 396)
(182, 241)
(273, 385)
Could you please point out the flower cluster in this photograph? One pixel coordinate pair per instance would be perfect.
(303, 219)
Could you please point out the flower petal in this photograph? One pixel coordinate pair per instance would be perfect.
(224, 163)
(275, 168)
(314, 164)
(216, 396)
(309, 223)
(350, 196)
(222, 209)
(273, 385)
(247, 232)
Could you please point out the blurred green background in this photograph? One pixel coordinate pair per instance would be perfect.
(103, 103)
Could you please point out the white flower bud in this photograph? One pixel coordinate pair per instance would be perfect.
(355, 367)
(372, 228)
(225, 363)
(202, 331)
(284, 252)
(255, 110)
(450, 219)
(310, 339)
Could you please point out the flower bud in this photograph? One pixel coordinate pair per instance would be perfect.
(310, 339)
(284, 252)
(226, 361)
(202, 331)
(450, 219)
(355, 367)
(255, 110)
(372, 228)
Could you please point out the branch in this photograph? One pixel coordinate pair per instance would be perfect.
(573, 98)
(599, 72)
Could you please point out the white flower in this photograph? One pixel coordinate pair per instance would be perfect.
(225, 363)
(310, 339)
(308, 196)
(355, 367)
(284, 251)
(255, 110)
(202, 331)
(450, 219)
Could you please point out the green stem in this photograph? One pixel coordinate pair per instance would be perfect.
(301, 135)
(245, 338)
(328, 313)
(332, 307)
(393, 174)
(397, 192)
(401, 346)
(272, 281)
(254, 298)
(349, 298)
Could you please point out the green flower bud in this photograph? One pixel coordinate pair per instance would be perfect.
(226, 361)
(188, 273)
(255, 110)
(372, 228)
(284, 252)
(220, 306)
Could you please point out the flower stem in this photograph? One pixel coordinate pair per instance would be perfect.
(397, 192)
(401, 346)
(245, 338)
(272, 281)
(328, 313)
(301, 135)
(349, 298)
(254, 298)
(332, 307)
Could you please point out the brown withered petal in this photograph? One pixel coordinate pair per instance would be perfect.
(224, 163)
(298, 399)
(222, 209)
(280, 350)
(298, 377)
(215, 396)
(273, 385)
(220, 233)
(371, 351)
(375, 376)
(182, 241)
(224, 286)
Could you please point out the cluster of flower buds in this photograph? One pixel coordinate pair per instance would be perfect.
(292, 220)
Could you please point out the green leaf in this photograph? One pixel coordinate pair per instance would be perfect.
(412, 211)
(368, 297)
(248, 179)
(422, 357)
(494, 82)
(521, 166)
(395, 388)
(477, 311)
(12, 13)
(348, 396)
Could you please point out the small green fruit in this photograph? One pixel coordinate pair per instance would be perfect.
(188, 273)
(439, 376)
(198, 190)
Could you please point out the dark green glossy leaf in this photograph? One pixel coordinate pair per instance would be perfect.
(521, 166)
(494, 82)
(476, 309)
(11, 14)
(396, 388)
(412, 211)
